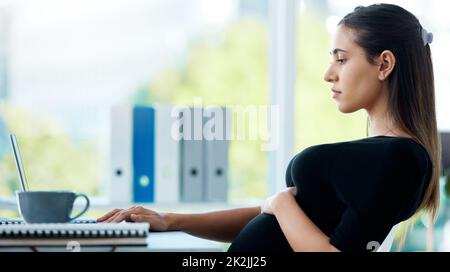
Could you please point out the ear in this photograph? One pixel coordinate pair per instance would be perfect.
(387, 64)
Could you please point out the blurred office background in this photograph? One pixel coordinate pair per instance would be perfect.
(63, 64)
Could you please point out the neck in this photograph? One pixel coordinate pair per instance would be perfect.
(380, 124)
(380, 121)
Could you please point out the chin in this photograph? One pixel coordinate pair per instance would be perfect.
(347, 108)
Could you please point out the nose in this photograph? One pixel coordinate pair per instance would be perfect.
(330, 76)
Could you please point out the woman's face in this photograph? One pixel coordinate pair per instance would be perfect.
(355, 81)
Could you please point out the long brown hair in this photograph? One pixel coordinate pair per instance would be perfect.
(411, 102)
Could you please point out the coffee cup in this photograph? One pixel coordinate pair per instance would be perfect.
(49, 206)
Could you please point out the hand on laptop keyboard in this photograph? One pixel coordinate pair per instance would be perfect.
(157, 221)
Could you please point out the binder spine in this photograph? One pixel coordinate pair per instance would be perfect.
(192, 188)
(121, 171)
(167, 150)
(216, 157)
(143, 154)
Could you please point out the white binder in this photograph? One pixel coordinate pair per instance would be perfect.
(121, 172)
(167, 152)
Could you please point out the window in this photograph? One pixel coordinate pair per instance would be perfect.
(63, 64)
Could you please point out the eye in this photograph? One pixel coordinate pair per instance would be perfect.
(341, 61)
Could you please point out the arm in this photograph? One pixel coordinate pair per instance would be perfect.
(221, 226)
(292, 219)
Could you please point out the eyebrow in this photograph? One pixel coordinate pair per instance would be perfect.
(337, 50)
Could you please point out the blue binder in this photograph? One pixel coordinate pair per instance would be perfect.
(143, 154)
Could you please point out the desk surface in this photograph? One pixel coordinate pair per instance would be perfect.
(180, 241)
(174, 241)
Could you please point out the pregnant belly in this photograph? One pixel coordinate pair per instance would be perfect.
(262, 233)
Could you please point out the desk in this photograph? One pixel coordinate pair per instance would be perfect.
(179, 241)
(174, 241)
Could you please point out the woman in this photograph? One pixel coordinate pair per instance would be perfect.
(345, 195)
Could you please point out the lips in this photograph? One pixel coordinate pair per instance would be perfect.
(335, 91)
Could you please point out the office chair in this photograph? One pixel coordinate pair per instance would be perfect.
(387, 243)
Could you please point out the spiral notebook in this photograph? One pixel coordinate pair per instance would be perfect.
(8, 221)
(103, 234)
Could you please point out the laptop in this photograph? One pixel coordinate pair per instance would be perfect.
(24, 184)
